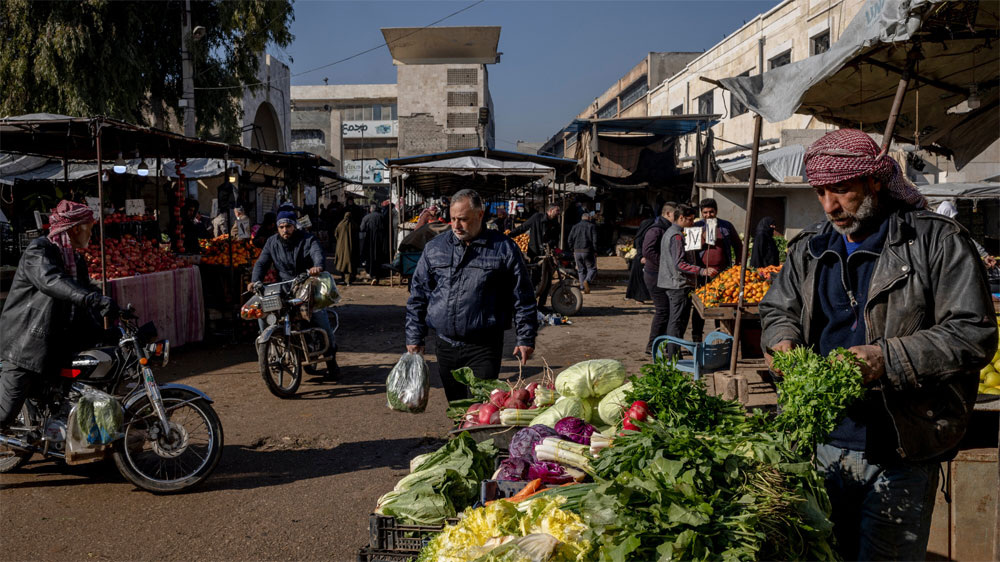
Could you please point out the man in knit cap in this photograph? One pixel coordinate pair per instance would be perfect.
(903, 289)
(47, 307)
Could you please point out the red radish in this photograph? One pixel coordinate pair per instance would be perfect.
(499, 398)
(517, 404)
(533, 407)
(531, 389)
(520, 395)
(627, 424)
(486, 412)
(639, 410)
(495, 418)
(473, 409)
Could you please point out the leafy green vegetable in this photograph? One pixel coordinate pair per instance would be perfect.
(815, 391)
(673, 397)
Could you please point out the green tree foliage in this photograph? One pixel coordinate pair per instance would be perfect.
(123, 59)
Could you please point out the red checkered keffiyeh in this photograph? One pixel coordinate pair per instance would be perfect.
(846, 154)
(65, 216)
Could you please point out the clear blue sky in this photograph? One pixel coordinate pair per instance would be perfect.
(557, 56)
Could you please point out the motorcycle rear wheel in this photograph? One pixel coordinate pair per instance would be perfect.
(13, 459)
(179, 460)
(567, 300)
(280, 367)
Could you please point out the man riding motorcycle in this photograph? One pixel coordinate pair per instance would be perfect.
(46, 314)
(292, 252)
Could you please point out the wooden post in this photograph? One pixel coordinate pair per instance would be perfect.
(904, 83)
(757, 123)
(100, 212)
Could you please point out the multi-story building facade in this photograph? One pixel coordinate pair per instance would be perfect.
(441, 102)
(627, 97)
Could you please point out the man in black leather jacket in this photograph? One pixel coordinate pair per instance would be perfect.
(468, 285)
(904, 290)
(48, 302)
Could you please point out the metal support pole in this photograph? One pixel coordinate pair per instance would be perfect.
(757, 123)
(187, 71)
(100, 212)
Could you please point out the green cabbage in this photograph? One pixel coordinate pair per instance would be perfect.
(596, 377)
(612, 407)
(565, 407)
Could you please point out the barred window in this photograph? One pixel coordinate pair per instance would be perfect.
(738, 108)
(308, 139)
(461, 142)
(820, 43)
(780, 60)
(463, 76)
(678, 110)
(609, 110)
(459, 120)
(634, 93)
(706, 103)
(463, 99)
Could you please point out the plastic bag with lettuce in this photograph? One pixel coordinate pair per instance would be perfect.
(495, 533)
(444, 483)
(595, 377)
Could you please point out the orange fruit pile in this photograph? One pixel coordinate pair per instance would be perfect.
(522, 241)
(215, 251)
(725, 288)
(766, 272)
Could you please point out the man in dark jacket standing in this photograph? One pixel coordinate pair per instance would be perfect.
(903, 289)
(542, 228)
(583, 240)
(468, 286)
(47, 306)
(292, 251)
(650, 271)
(374, 238)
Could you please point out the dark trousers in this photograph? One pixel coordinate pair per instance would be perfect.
(697, 325)
(680, 309)
(482, 357)
(14, 382)
(541, 279)
(661, 309)
(586, 266)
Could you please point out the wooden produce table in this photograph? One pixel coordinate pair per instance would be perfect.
(749, 345)
(172, 300)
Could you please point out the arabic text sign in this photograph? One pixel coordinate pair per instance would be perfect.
(366, 171)
(369, 129)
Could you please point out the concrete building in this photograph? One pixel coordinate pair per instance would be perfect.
(355, 126)
(267, 110)
(791, 31)
(443, 81)
(627, 97)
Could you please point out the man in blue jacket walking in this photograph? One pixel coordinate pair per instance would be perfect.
(469, 286)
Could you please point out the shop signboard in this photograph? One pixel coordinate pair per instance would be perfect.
(369, 129)
(367, 171)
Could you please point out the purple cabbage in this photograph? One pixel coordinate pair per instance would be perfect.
(512, 469)
(549, 472)
(522, 445)
(575, 429)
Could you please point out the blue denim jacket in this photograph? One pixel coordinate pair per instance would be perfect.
(467, 293)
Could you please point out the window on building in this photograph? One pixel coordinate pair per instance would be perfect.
(706, 103)
(462, 142)
(609, 110)
(308, 140)
(820, 43)
(463, 99)
(635, 92)
(369, 112)
(370, 149)
(678, 110)
(737, 107)
(780, 60)
(463, 120)
(463, 76)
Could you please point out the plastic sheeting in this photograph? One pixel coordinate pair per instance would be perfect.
(469, 165)
(779, 163)
(18, 167)
(850, 84)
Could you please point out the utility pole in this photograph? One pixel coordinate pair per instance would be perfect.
(187, 71)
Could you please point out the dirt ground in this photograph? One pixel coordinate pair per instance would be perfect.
(298, 478)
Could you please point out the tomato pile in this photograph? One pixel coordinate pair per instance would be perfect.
(128, 256)
(215, 251)
(725, 288)
(116, 218)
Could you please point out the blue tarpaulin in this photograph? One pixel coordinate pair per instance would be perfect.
(660, 125)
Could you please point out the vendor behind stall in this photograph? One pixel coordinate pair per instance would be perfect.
(904, 290)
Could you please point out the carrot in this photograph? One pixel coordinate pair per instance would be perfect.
(529, 489)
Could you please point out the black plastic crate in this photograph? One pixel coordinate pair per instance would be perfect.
(385, 533)
(366, 554)
(490, 490)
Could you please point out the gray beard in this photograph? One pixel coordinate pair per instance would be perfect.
(865, 217)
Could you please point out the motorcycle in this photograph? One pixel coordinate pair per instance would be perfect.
(288, 342)
(169, 439)
(567, 298)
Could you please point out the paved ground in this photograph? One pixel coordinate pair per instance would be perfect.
(298, 478)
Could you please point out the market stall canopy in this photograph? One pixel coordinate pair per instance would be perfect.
(938, 192)
(632, 152)
(499, 172)
(74, 138)
(957, 76)
(443, 45)
(780, 163)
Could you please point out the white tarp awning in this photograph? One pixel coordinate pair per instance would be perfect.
(854, 82)
(938, 192)
(779, 163)
(469, 165)
(19, 167)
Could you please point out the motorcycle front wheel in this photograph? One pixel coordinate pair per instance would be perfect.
(567, 300)
(13, 459)
(280, 367)
(174, 460)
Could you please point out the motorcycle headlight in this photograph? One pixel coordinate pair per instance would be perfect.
(271, 319)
